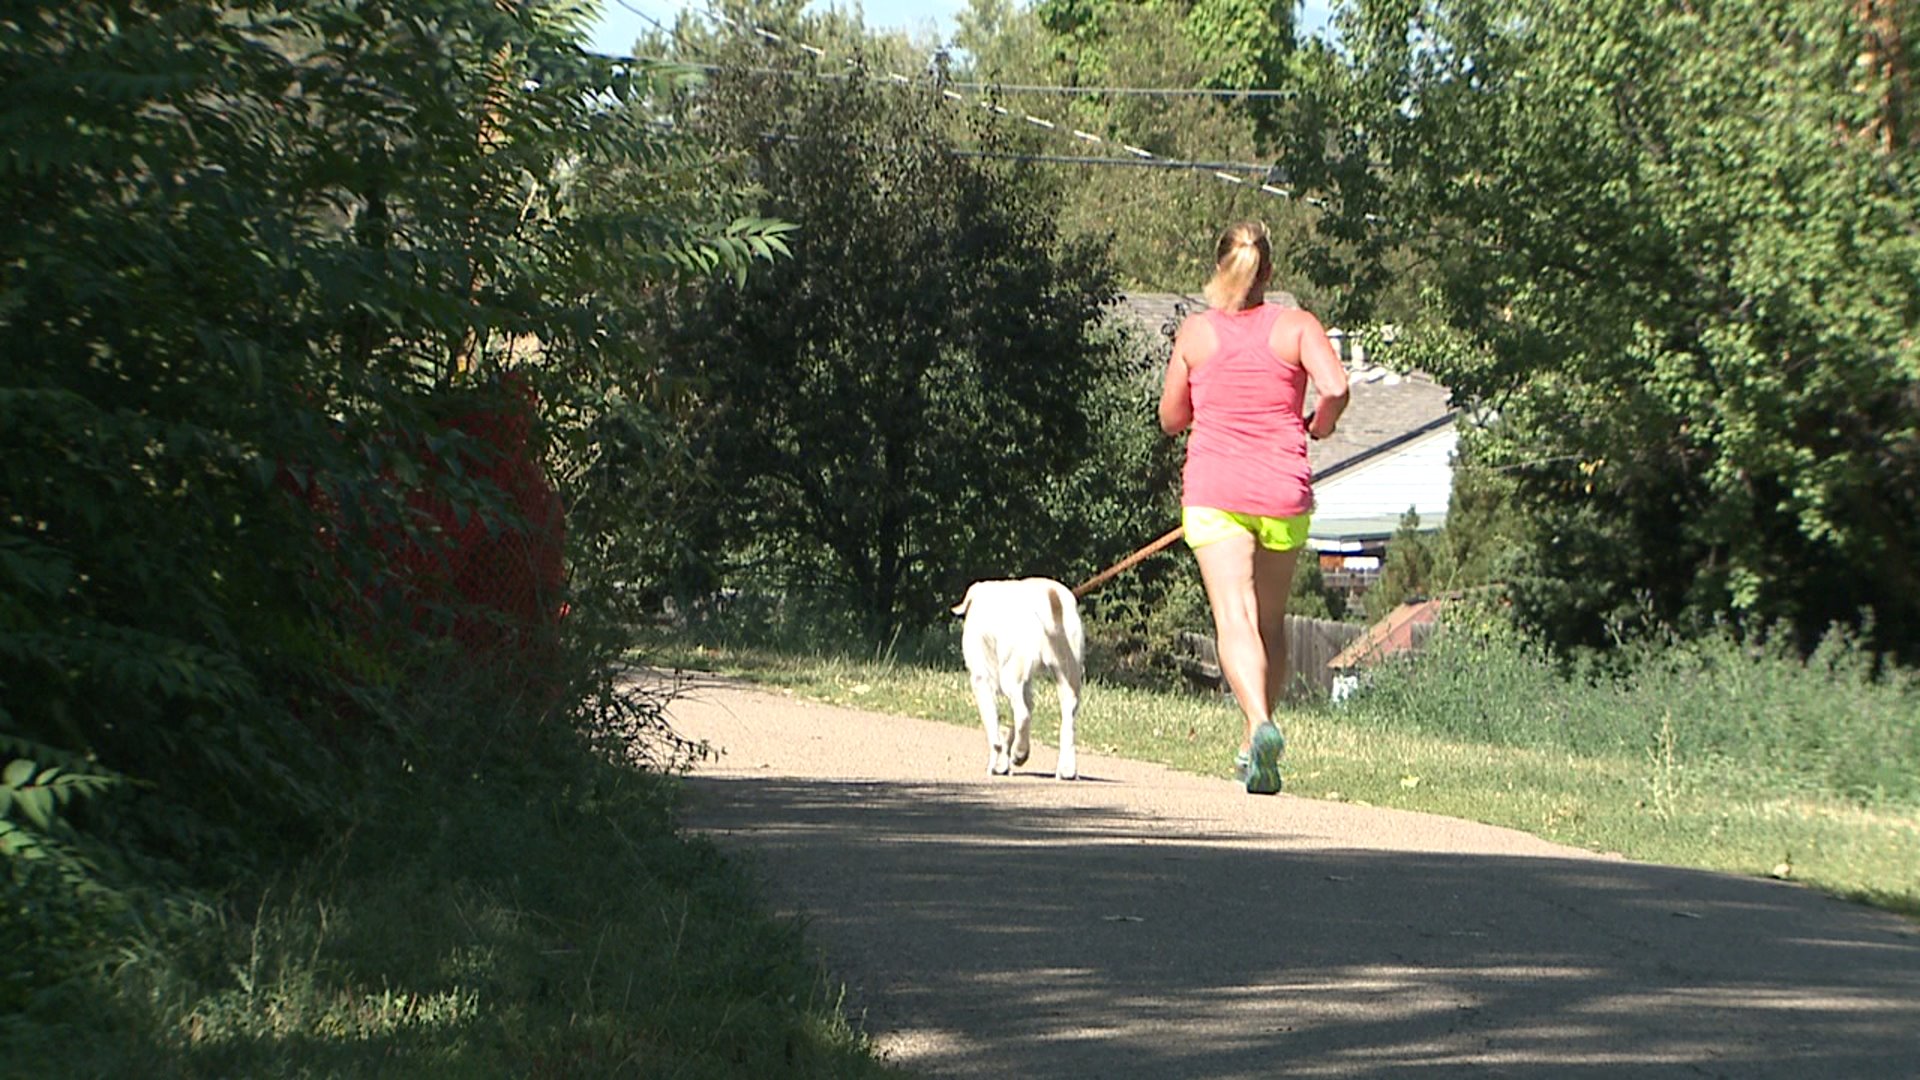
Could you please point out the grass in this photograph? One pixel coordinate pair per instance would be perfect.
(551, 923)
(1651, 799)
(550, 920)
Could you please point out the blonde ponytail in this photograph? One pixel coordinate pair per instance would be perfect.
(1243, 260)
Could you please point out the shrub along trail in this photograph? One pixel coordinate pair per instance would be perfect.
(1142, 922)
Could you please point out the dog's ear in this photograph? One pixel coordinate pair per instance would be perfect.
(965, 602)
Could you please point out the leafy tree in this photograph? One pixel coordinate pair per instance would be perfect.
(887, 415)
(1409, 570)
(1311, 598)
(249, 291)
(1675, 253)
(788, 33)
(1246, 44)
(1004, 41)
(1161, 222)
(1485, 531)
(1242, 44)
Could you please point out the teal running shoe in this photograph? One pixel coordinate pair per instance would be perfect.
(1263, 771)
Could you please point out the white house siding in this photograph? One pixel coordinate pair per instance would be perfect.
(1417, 474)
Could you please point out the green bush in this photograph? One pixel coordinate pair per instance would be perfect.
(252, 293)
(1839, 722)
(468, 920)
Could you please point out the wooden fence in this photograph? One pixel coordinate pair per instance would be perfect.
(1310, 644)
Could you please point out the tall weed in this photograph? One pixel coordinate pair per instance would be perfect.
(1749, 708)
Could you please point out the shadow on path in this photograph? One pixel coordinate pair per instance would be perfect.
(989, 939)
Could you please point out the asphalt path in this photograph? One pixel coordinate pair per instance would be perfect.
(1142, 922)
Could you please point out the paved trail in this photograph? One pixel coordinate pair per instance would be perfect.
(1147, 923)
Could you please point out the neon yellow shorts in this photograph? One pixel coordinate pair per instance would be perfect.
(1205, 525)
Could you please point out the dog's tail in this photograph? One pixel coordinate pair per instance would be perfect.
(1065, 635)
(965, 602)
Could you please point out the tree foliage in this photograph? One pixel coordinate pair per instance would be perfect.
(249, 289)
(1161, 223)
(1676, 254)
(1409, 572)
(1241, 44)
(891, 412)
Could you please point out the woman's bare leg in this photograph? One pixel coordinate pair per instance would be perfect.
(1273, 586)
(1227, 569)
(1247, 589)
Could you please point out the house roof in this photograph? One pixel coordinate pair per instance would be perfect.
(1385, 409)
(1159, 314)
(1394, 634)
(1349, 535)
(1156, 314)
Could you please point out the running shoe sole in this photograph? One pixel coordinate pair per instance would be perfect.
(1263, 774)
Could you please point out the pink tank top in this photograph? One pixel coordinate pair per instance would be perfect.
(1248, 448)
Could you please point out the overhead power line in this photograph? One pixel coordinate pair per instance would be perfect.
(1224, 170)
(1123, 91)
(947, 91)
(994, 88)
(1218, 168)
(1143, 157)
(658, 25)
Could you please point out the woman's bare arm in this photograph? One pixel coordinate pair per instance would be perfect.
(1176, 396)
(1329, 377)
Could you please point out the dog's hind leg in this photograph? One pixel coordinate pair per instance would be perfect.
(986, 694)
(1021, 696)
(1069, 765)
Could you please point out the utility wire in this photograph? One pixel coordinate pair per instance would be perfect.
(990, 88)
(1265, 185)
(657, 24)
(1218, 168)
(1125, 91)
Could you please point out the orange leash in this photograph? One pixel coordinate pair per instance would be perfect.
(1128, 563)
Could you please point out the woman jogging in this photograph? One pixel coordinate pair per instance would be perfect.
(1238, 379)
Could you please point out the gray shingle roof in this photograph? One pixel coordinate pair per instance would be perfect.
(1384, 407)
(1158, 314)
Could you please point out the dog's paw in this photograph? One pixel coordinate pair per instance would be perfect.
(1020, 757)
(997, 765)
(1066, 769)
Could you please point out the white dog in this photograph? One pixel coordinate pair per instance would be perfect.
(1013, 630)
